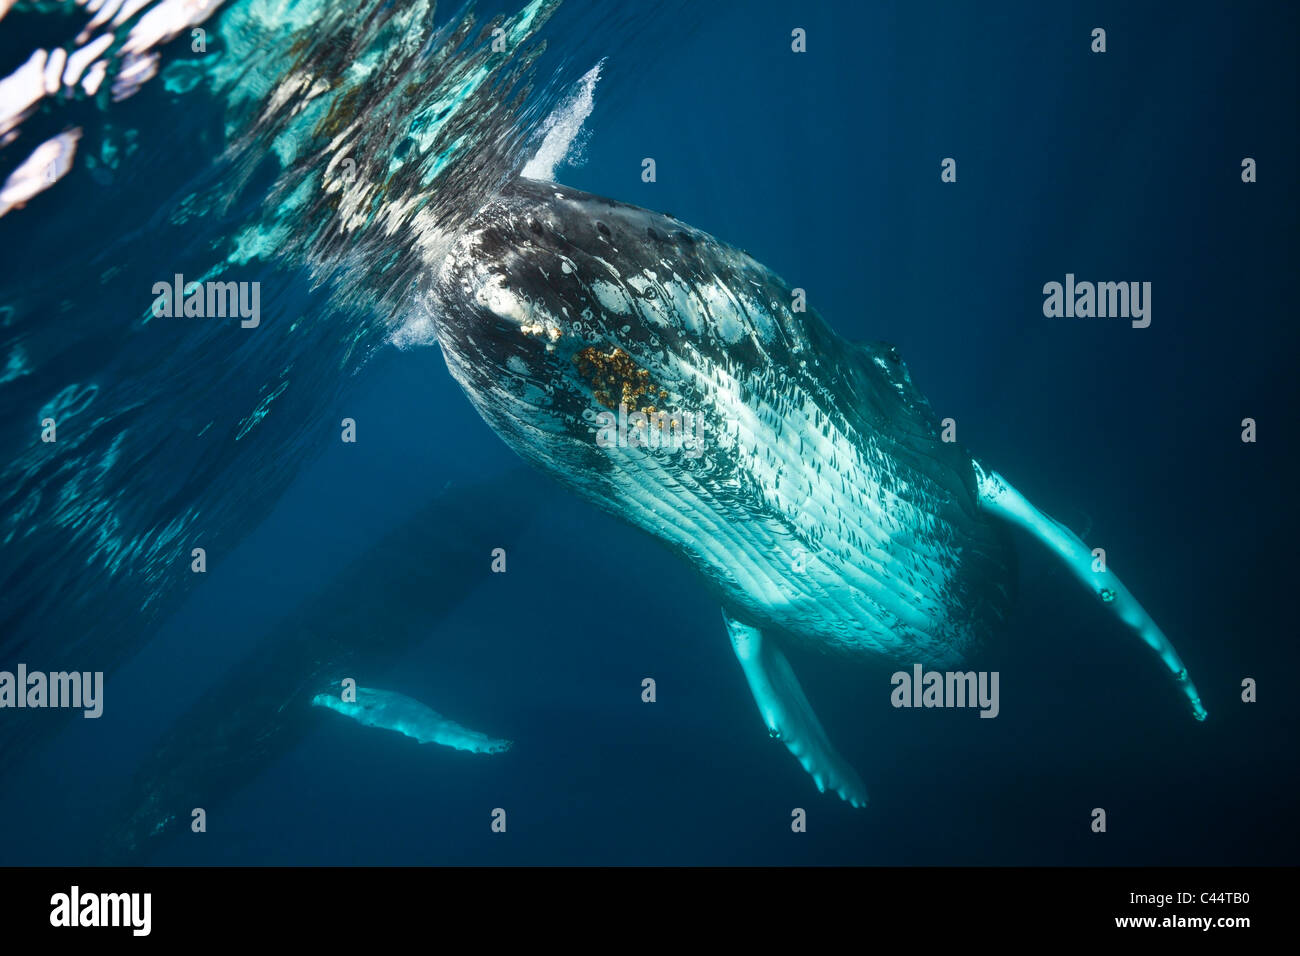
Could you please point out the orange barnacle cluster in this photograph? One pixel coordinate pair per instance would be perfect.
(616, 379)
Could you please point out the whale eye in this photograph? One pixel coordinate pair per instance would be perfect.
(893, 355)
(685, 238)
(650, 231)
(602, 228)
(534, 227)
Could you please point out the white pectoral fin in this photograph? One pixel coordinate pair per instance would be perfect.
(788, 715)
(998, 497)
(448, 733)
(390, 710)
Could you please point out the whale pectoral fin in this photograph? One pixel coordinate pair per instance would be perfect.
(998, 497)
(788, 714)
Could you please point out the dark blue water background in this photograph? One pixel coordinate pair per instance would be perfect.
(825, 166)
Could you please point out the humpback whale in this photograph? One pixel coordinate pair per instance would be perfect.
(825, 507)
(261, 709)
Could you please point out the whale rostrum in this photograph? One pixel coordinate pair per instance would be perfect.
(819, 500)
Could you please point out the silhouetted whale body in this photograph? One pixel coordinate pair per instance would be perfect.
(676, 382)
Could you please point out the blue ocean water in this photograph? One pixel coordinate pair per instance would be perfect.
(825, 167)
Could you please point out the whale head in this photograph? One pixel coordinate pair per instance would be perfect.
(803, 475)
(558, 306)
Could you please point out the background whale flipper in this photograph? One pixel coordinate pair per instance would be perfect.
(259, 711)
(389, 710)
(788, 715)
(997, 496)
